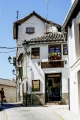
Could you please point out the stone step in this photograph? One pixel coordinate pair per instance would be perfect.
(53, 103)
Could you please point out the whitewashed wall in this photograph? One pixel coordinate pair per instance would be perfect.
(33, 72)
(38, 73)
(74, 63)
(40, 29)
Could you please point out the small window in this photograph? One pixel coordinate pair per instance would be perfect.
(35, 85)
(65, 49)
(35, 53)
(55, 52)
(30, 30)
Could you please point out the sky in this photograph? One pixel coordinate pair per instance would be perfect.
(57, 11)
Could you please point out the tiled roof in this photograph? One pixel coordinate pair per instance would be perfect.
(51, 37)
(15, 24)
(7, 82)
(74, 10)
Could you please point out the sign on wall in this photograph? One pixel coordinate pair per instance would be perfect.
(54, 64)
(35, 85)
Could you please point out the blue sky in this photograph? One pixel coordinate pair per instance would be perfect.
(57, 10)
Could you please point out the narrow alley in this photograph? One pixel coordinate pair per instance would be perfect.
(50, 112)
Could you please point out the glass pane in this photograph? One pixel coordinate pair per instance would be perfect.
(55, 52)
(65, 49)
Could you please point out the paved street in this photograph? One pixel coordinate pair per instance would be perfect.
(51, 112)
(29, 113)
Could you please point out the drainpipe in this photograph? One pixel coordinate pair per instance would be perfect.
(69, 92)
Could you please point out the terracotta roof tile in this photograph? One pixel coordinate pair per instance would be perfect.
(51, 37)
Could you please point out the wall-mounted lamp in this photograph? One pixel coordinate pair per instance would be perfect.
(38, 63)
(10, 59)
(65, 61)
(15, 62)
(28, 53)
(26, 46)
(13, 71)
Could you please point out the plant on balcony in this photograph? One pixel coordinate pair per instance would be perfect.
(54, 56)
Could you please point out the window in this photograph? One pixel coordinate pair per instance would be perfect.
(35, 85)
(30, 30)
(55, 52)
(35, 53)
(65, 49)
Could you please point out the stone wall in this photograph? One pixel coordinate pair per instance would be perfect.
(65, 98)
(9, 92)
(38, 99)
(24, 98)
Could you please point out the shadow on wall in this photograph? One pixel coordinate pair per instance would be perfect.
(35, 98)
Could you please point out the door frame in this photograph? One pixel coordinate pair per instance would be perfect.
(46, 74)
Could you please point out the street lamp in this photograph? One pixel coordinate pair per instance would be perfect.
(10, 59)
(26, 45)
(13, 71)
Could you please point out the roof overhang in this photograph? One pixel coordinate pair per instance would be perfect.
(49, 38)
(74, 10)
(19, 22)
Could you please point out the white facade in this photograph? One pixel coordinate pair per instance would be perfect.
(40, 30)
(74, 63)
(31, 70)
(39, 73)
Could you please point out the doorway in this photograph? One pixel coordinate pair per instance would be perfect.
(53, 89)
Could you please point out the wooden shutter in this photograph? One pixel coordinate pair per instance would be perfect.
(20, 72)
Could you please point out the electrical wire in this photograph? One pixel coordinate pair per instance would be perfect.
(8, 51)
(10, 47)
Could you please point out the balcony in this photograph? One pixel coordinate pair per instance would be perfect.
(54, 56)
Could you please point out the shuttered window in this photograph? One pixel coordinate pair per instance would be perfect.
(30, 30)
(20, 72)
(35, 53)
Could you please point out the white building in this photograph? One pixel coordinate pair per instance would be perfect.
(45, 64)
(72, 26)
